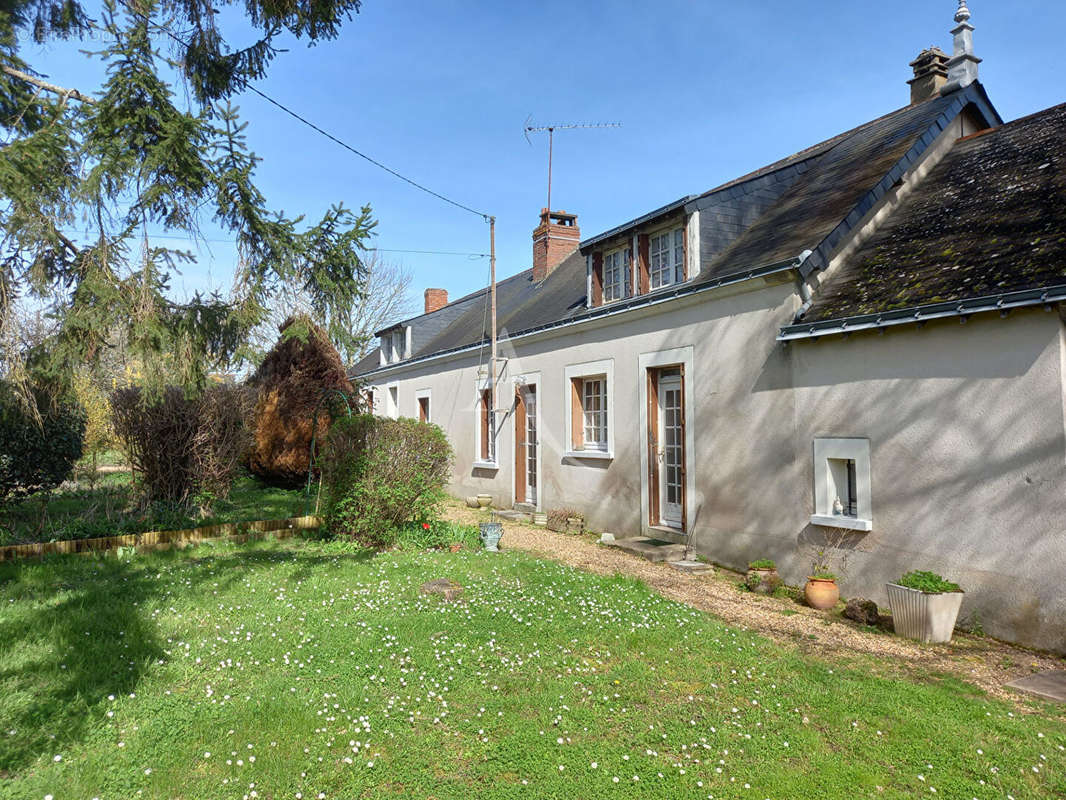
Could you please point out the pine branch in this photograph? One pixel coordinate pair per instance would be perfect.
(48, 87)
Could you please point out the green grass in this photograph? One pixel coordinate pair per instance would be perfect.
(110, 510)
(304, 667)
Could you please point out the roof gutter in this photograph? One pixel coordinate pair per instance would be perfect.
(603, 312)
(923, 313)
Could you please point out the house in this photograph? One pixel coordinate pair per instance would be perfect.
(864, 338)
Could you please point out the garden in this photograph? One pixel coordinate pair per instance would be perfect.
(315, 669)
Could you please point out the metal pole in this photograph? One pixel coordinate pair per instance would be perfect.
(551, 134)
(492, 360)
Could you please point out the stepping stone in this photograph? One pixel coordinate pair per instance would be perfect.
(513, 515)
(651, 549)
(693, 567)
(449, 590)
(1047, 685)
(525, 508)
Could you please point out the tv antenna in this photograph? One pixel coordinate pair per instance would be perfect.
(529, 128)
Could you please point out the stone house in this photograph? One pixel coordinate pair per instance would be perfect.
(866, 338)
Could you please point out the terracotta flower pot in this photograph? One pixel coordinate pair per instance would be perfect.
(763, 580)
(821, 593)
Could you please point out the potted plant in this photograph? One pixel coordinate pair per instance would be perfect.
(821, 591)
(924, 606)
(762, 576)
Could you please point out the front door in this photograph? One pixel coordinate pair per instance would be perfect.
(667, 451)
(526, 445)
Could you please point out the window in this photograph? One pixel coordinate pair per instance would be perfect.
(666, 254)
(486, 428)
(616, 275)
(590, 422)
(842, 484)
(395, 345)
(594, 413)
(423, 407)
(394, 402)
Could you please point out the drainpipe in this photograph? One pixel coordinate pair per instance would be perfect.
(804, 287)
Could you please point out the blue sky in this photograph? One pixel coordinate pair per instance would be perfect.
(705, 91)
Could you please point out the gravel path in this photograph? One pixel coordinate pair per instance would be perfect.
(982, 661)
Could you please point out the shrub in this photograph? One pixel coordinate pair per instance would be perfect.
(296, 375)
(99, 435)
(928, 582)
(379, 473)
(37, 450)
(179, 445)
(762, 563)
(222, 438)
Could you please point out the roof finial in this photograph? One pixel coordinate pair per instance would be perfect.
(962, 68)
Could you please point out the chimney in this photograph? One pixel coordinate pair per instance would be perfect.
(962, 68)
(436, 299)
(554, 239)
(930, 75)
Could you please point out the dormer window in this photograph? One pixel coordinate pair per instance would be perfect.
(616, 275)
(666, 255)
(396, 345)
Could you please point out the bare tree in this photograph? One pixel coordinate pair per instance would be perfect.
(385, 298)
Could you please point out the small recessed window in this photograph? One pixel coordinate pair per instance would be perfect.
(616, 275)
(842, 484)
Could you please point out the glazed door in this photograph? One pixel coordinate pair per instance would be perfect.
(526, 445)
(671, 455)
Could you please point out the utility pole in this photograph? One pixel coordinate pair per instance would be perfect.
(492, 358)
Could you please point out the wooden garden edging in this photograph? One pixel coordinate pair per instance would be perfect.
(237, 532)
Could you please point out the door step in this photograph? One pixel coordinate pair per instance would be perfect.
(525, 508)
(651, 549)
(514, 516)
(692, 567)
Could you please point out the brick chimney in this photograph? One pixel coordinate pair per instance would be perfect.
(436, 299)
(930, 75)
(554, 239)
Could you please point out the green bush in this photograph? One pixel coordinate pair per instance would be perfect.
(928, 582)
(762, 563)
(37, 451)
(380, 473)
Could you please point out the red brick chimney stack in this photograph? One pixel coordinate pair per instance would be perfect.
(436, 299)
(554, 239)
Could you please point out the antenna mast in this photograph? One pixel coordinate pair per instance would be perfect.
(529, 128)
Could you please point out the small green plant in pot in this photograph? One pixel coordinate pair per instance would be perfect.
(762, 576)
(924, 606)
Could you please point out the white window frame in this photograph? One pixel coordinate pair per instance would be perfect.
(391, 400)
(830, 457)
(482, 385)
(616, 262)
(674, 270)
(602, 370)
(420, 395)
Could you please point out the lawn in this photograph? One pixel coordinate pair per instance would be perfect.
(310, 670)
(109, 509)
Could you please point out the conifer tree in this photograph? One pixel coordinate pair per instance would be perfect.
(131, 161)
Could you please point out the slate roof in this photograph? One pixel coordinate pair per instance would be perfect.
(989, 220)
(755, 224)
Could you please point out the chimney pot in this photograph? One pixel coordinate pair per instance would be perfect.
(930, 75)
(436, 299)
(554, 239)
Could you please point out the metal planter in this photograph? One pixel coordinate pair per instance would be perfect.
(491, 533)
(926, 617)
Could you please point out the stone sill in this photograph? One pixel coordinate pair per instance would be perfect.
(835, 521)
(599, 455)
(486, 465)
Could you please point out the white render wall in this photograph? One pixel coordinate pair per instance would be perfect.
(965, 422)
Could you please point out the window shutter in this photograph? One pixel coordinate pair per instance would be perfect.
(644, 279)
(597, 279)
(577, 417)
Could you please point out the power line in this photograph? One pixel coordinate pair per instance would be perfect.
(315, 127)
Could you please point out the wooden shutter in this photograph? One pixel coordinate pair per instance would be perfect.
(423, 409)
(485, 402)
(653, 447)
(597, 279)
(643, 275)
(577, 417)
